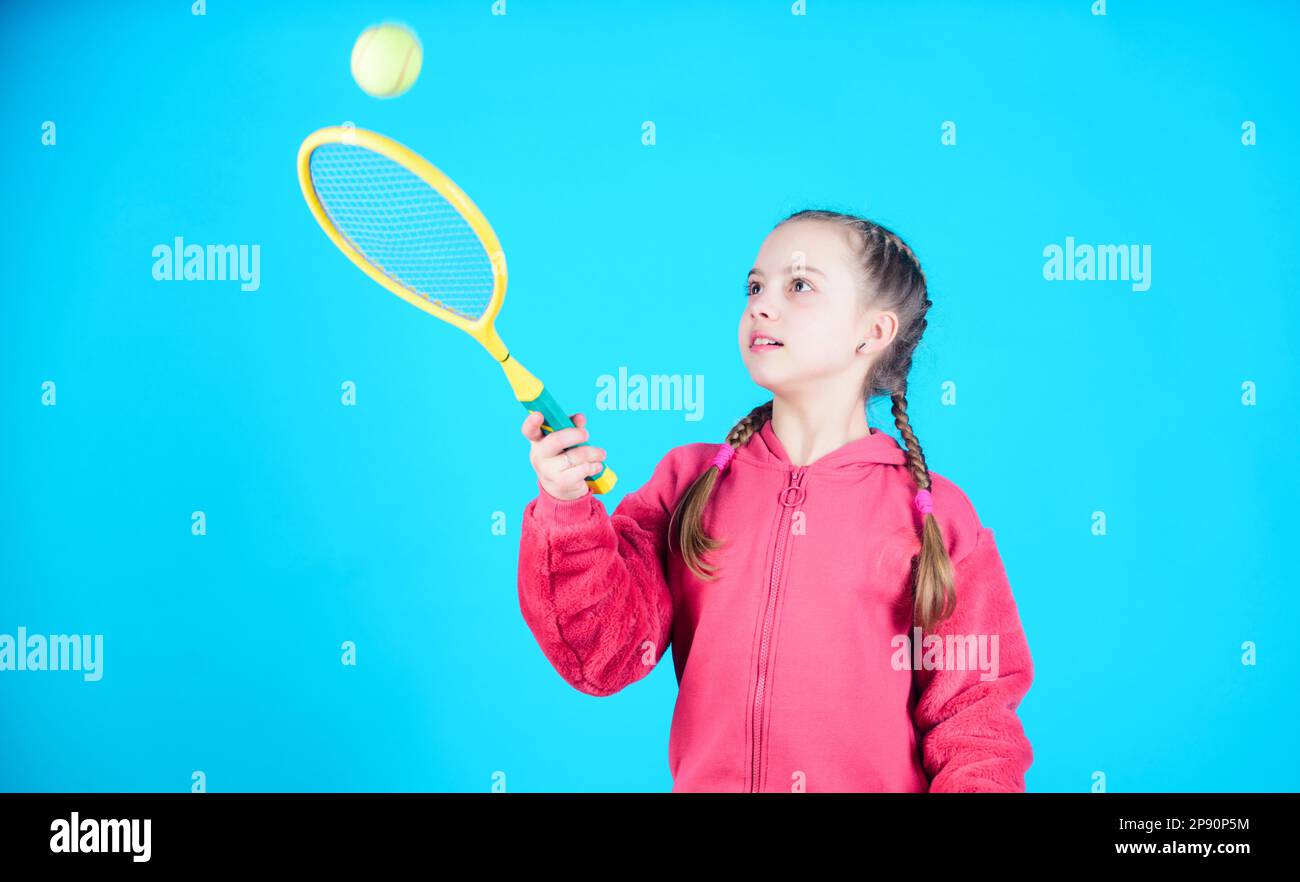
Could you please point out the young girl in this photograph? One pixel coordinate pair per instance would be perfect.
(852, 629)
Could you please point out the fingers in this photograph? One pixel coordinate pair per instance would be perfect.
(578, 473)
(564, 480)
(532, 428)
(569, 462)
(552, 444)
(563, 460)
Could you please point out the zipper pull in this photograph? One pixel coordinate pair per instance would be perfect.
(795, 493)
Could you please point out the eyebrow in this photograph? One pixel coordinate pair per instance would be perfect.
(807, 269)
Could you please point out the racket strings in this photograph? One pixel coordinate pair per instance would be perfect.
(404, 227)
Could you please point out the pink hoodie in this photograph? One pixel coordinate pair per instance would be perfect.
(787, 677)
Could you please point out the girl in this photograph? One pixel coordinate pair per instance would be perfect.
(852, 629)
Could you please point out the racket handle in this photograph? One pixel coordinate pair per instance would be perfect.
(553, 419)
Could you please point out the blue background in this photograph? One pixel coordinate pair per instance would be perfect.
(374, 523)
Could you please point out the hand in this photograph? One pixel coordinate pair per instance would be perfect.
(563, 474)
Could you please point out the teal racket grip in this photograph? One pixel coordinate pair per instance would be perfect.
(555, 418)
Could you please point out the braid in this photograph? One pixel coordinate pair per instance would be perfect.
(889, 239)
(903, 248)
(753, 421)
(691, 538)
(934, 598)
(915, 458)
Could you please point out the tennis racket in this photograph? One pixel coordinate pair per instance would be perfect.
(411, 229)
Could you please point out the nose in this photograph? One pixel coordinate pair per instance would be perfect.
(763, 307)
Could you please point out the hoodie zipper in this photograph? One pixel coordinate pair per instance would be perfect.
(791, 496)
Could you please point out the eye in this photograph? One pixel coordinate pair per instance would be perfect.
(749, 286)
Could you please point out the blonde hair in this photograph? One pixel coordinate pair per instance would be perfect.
(889, 269)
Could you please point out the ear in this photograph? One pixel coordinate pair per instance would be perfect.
(877, 330)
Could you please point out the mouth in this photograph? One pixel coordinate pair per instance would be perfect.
(763, 343)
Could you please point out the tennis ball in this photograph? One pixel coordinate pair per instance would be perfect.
(386, 60)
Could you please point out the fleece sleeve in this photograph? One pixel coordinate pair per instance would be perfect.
(592, 586)
(971, 738)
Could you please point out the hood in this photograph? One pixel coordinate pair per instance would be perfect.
(764, 448)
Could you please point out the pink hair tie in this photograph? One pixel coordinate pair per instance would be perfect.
(723, 456)
(923, 504)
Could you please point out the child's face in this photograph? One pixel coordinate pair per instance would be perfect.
(802, 292)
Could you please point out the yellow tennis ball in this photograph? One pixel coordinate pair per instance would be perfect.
(386, 60)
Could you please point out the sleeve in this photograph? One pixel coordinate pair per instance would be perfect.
(971, 739)
(592, 586)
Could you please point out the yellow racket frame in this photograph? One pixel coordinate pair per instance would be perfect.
(527, 388)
